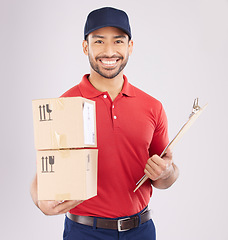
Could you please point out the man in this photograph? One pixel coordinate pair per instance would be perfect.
(131, 132)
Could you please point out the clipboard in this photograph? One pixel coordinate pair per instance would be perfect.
(196, 111)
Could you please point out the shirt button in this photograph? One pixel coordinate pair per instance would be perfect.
(115, 117)
(112, 106)
(105, 96)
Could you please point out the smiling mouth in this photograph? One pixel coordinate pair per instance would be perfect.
(109, 63)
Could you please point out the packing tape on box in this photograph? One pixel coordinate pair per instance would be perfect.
(59, 103)
(64, 153)
(60, 139)
(64, 196)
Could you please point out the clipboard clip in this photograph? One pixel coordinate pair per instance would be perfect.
(195, 107)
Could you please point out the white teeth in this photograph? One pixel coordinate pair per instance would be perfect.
(109, 62)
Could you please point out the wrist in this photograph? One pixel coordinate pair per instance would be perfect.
(169, 173)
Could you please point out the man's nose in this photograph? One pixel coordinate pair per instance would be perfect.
(109, 50)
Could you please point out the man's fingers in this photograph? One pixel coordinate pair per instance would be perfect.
(67, 205)
(155, 162)
(157, 167)
(152, 169)
(152, 175)
(57, 207)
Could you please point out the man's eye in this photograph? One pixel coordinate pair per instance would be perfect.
(119, 41)
(98, 41)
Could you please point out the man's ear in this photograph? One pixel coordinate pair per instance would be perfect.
(130, 46)
(85, 47)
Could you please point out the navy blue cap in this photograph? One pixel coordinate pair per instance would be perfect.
(107, 17)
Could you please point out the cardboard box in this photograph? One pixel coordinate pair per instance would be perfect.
(67, 174)
(64, 123)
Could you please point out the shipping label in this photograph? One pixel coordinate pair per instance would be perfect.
(89, 123)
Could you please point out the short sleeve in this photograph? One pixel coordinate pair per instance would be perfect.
(160, 137)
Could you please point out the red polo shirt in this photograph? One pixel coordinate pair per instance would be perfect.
(130, 129)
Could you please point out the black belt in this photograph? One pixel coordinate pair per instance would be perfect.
(122, 224)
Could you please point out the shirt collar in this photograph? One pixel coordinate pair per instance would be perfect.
(89, 91)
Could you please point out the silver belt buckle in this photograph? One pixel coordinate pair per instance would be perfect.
(119, 224)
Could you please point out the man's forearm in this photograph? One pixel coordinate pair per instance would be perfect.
(167, 182)
(33, 191)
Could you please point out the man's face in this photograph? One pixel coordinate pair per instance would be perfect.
(108, 50)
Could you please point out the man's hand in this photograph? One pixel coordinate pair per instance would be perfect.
(51, 207)
(159, 168)
(57, 207)
(162, 171)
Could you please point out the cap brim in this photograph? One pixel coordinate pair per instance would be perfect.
(107, 25)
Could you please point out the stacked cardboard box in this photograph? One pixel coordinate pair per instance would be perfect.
(65, 140)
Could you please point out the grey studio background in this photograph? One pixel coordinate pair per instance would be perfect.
(180, 52)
